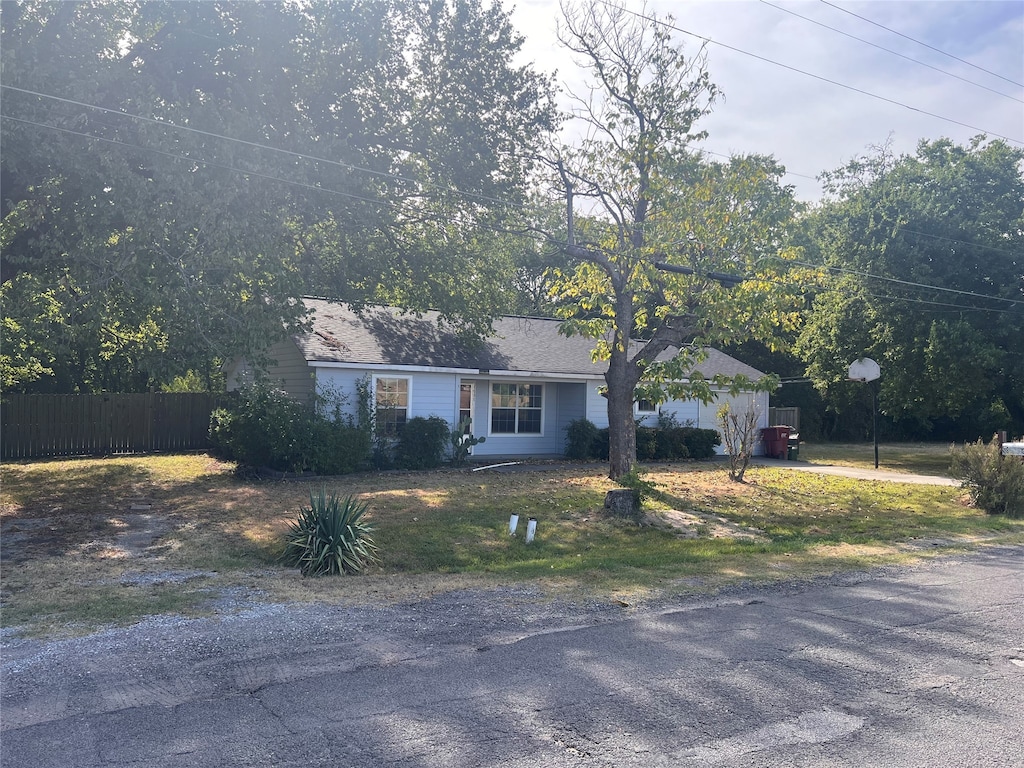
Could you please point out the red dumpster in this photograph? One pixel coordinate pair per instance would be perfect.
(776, 441)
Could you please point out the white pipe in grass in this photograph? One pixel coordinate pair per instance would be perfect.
(513, 523)
(531, 529)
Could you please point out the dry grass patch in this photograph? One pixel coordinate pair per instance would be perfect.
(915, 458)
(91, 541)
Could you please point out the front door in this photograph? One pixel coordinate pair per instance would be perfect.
(467, 399)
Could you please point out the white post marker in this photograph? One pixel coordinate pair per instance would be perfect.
(531, 529)
(513, 523)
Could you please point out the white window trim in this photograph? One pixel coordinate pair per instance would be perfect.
(408, 405)
(516, 435)
(637, 410)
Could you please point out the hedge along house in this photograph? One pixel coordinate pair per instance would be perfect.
(521, 387)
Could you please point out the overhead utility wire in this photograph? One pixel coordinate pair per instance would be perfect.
(197, 161)
(1016, 254)
(726, 279)
(952, 307)
(889, 50)
(821, 77)
(926, 45)
(211, 134)
(730, 157)
(387, 203)
(908, 283)
(291, 153)
(815, 287)
(256, 174)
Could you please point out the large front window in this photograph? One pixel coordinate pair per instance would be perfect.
(392, 404)
(516, 408)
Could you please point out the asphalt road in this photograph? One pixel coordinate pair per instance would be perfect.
(919, 666)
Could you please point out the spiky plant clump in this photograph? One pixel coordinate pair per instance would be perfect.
(330, 537)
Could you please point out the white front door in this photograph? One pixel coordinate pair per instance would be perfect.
(467, 399)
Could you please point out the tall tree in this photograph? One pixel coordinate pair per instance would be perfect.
(661, 225)
(928, 259)
(176, 175)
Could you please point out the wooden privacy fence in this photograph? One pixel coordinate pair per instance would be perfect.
(786, 416)
(34, 426)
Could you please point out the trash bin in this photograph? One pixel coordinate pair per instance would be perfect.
(793, 447)
(775, 441)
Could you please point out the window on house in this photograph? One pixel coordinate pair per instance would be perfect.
(516, 408)
(391, 404)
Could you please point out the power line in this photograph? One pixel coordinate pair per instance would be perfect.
(197, 161)
(908, 283)
(730, 157)
(952, 307)
(812, 288)
(525, 233)
(961, 242)
(257, 145)
(726, 278)
(392, 204)
(919, 42)
(889, 50)
(848, 87)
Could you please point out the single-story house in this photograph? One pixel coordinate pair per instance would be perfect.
(521, 387)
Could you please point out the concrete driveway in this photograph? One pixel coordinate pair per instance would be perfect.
(859, 473)
(516, 466)
(917, 666)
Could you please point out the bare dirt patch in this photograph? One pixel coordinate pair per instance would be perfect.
(694, 525)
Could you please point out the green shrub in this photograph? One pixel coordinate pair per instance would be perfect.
(646, 443)
(662, 443)
(339, 447)
(700, 443)
(670, 444)
(995, 482)
(422, 443)
(330, 537)
(264, 427)
(580, 436)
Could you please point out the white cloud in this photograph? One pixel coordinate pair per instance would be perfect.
(811, 125)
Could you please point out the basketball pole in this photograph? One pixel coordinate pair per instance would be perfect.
(874, 417)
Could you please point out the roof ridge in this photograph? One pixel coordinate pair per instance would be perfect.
(412, 311)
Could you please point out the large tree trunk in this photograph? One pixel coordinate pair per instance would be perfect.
(621, 378)
(621, 427)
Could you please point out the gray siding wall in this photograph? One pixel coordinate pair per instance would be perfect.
(291, 372)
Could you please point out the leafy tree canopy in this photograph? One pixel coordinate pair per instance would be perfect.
(652, 227)
(176, 174)
(927, 252)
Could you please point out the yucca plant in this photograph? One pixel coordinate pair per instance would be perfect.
(330, 537)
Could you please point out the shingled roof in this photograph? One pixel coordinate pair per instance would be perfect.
(388, 336)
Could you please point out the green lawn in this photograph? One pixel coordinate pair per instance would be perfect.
(916, 458)
(93, 541)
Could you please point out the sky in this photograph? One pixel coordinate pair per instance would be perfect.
(808, 124)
